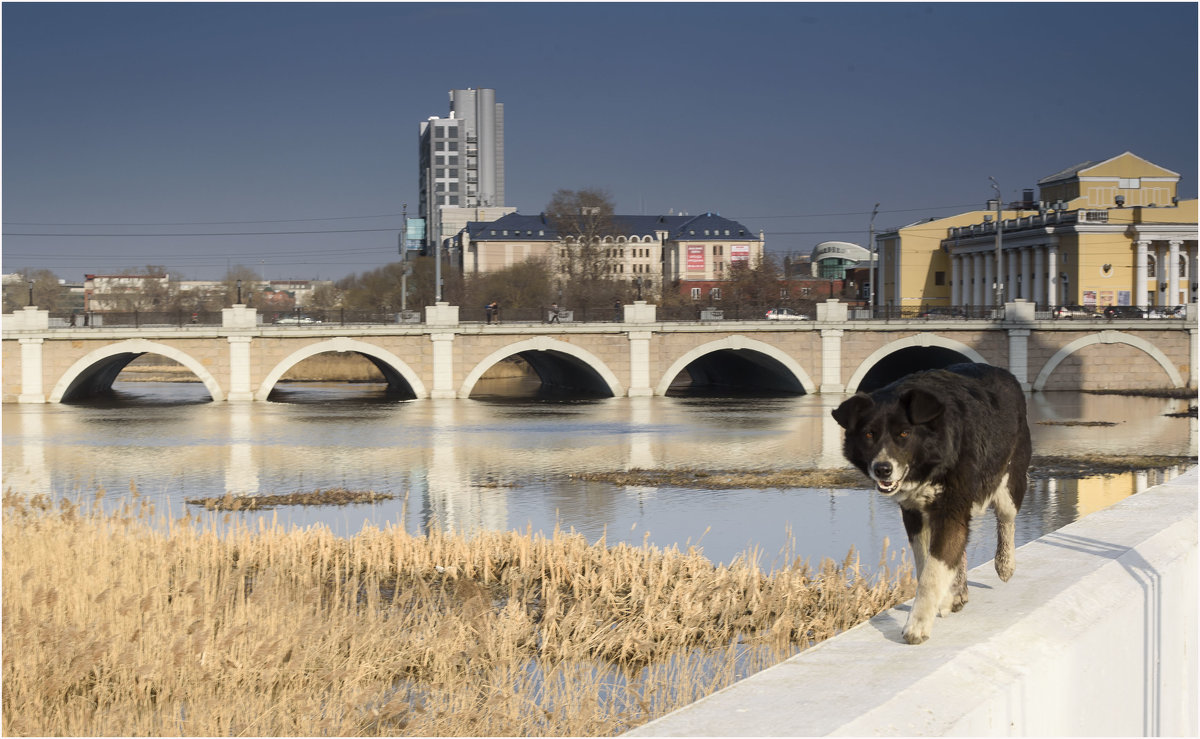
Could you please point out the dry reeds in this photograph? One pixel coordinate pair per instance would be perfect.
(115, 624)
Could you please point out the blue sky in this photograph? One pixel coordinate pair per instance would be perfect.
(793, 118)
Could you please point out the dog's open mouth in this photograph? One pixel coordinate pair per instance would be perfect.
(887, 487)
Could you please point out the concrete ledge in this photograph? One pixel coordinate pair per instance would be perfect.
(1095, 635)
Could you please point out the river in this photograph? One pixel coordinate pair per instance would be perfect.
(505, 463)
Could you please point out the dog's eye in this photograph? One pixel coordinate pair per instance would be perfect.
(903, 434)
(870, 436)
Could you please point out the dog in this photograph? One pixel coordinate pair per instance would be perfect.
(945, 444)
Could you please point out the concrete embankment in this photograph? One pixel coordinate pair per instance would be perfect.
(1095, 635)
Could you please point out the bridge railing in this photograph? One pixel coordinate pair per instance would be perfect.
(717, 311)
(135, 319)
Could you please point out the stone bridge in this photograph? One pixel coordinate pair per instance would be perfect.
(242, 360)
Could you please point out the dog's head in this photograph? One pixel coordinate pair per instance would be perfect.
(889, 435)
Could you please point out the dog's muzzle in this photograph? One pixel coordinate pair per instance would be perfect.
(887, 481)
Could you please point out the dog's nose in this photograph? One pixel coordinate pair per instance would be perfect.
(883, 470)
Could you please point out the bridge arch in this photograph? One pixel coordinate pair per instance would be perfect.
(97, 369)
(549, 358)
(737, 343)
(394, 369)
(1107, 337)
(917, 341)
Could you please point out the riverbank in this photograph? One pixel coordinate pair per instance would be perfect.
(179, 630)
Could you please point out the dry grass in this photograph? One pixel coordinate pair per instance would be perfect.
(326, 496)
(119, 624)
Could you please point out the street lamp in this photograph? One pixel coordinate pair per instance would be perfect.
(31, 293)
(871, 281)
(999, 300)
(239, 287)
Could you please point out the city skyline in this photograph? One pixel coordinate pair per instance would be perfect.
(281, 137)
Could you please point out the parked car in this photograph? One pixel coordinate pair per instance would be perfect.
(942, 313)
(296, 321)
(785, 314)
(1071, 311)
(1165, 312)
(1122, 311)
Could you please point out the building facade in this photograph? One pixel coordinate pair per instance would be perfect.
(461, 161)
(654, 249)
(1102, 233)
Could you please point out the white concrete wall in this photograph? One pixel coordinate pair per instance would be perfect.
(1095, 635)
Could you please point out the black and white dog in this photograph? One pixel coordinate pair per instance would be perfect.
(945, 444)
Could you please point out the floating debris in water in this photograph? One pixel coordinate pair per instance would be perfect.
(1076, 423)
(330, 496)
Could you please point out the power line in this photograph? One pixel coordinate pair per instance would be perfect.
(207, 223)
(211, 233)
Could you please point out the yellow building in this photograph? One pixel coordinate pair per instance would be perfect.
(1101, 233)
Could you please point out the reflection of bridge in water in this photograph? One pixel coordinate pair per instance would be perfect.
(459, 477)
(443, 358)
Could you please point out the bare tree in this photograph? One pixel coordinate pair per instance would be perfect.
(48, 293)
(588, 251)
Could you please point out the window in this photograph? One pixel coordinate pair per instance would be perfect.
(695, 293)
(939, 278)
(1151, 266)
(1132, 183)
(715, 293)
(452, 132)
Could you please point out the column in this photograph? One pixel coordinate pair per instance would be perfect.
(1039, 273)
(639, 364)
(955, 280)
(443, 365)
(1012, 291)
(831, 361)
(1160, 259)
(1052, 275)
(31, 371)
(239, 369)
(1173, 273)
(1140, 274)
(977, 279)
(989, 267)
(1026, 283)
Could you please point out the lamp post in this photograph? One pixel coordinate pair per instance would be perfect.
(871, 281)
(239, 289)
(31, 293)
(999, 300)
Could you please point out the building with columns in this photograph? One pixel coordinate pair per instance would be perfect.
(1101, 233)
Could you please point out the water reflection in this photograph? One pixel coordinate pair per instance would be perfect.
(504, 463)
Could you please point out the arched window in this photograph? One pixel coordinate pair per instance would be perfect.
(1151, 266)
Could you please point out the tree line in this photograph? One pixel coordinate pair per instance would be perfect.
(579, 277)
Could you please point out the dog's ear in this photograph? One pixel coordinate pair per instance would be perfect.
(851, 409)
(921, 406)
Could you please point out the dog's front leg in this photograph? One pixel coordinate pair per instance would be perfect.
(947, 545)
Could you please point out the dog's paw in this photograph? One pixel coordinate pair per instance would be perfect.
(1005, 568)
(960, 600)
(916, 632)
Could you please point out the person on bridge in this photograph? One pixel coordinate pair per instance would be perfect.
(554, 313)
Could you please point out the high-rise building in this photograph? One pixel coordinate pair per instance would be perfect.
(462, 163)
